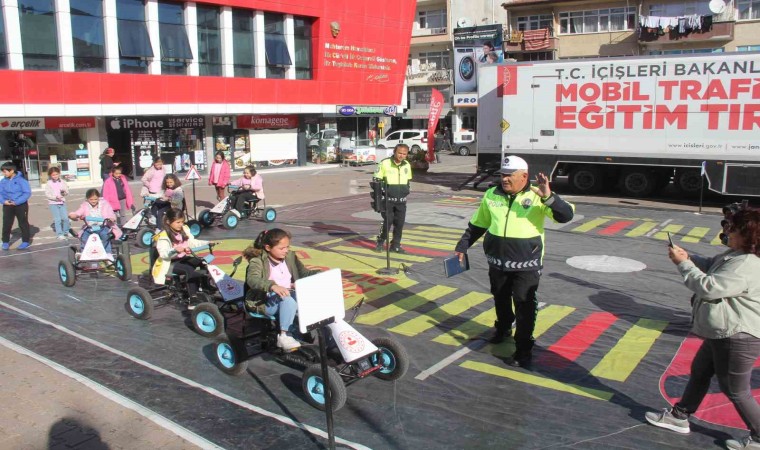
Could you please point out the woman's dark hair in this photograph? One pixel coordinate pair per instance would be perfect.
(54, 169)
(170, 216)
(267, 237)
(173, 177)
(251, 168)
(746, 222)
(91, 192)
(219, 153)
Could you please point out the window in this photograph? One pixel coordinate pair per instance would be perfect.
(175, 47)
(278, 57)
(39, 34)
(209, 41)
(683, 8)
(432, 19)
(302, 30)
(748, 48)
(598, 20)
(434, 60)
(3, 48)
(687, 51)
(87, 34)
(134, 42)
(539, 22)
(242, 43)
(749, 9)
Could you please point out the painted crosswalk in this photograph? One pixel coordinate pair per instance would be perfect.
(638, 228)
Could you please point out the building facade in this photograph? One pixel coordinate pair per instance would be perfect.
(182, 80)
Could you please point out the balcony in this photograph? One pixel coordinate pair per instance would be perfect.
(424, 75)
(542, 40)
(722, 29)
(417, 32)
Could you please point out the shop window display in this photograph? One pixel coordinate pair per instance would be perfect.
(35, 151)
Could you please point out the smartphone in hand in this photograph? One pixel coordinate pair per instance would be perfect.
(670, 240)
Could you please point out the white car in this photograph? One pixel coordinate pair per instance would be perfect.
(327, 136)
(415, 139)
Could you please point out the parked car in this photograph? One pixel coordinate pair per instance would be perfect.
(326, 136)
(470, 148)
(415, 139)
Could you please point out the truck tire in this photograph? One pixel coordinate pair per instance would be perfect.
(688, 181)
(586, 179)
(638, 182)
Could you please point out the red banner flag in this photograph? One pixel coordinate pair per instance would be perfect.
(436, 105)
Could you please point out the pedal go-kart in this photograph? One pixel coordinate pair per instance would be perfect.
(141, 228)
(93, 258)
(352, 357)
(230, 217)
(141, 301)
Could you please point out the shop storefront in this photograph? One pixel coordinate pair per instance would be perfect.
(265, 140)
(416, 117)
(465, 112)
(178, 140)
(36, 143)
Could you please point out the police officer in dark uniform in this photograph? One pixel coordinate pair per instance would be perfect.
(396, 173)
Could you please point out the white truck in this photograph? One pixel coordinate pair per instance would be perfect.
(635, 122)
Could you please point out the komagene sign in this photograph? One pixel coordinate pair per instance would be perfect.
(267, 121)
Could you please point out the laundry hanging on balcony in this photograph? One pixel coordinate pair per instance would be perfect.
(650, 27)
(536, 39)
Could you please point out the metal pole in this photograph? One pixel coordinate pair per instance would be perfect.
(701, 191)
(195, 212)
(323, 334)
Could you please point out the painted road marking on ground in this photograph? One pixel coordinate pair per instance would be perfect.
(575, 342)
(642, 229)
(655, 230)
(367, 251)
(404, 305)
(535, 380)
(115, 397)
(430, 236)
(454, 231)
(616, 227)
(469, 347)
(663, 234)
(590, 225)
(432, 318)
(27, 252)
(619, 363)
(695, 234)
(283, 419)
(716, 240)
(331, 242)
(433, 245)
(547, 318)
(468, 330)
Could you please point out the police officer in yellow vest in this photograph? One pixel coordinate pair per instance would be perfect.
(511, 216)
(396, 172)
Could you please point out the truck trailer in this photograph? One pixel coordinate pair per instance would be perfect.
(633, 122)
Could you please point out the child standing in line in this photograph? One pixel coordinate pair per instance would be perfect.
(117, 193)
(251, 186)
(219, 175)
(94, 207)
(14, 196)
(270, 278)
(56, 191)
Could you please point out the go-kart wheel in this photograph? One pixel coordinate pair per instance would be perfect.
(206, 218)
(231, 356)
(270, 215)
(123, 267)
(207, 320)
(230, 221)
(72, 254)
(393, 356)
(195, 227)
(314, 387)
(66, 273)
(139, 303)
(123, 247)
(145, 238)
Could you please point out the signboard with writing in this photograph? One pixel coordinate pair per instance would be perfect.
(154, 122)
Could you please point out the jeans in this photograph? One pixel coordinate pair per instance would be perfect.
(21, 214)
(520, 288)
(61, 221)
(104, 237)
(286, 308)
(731, 360)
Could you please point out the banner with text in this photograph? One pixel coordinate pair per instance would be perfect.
(436, 104)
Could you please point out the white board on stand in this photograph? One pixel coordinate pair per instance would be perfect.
(320, 297)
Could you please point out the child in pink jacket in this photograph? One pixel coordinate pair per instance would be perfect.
(94, 206)
(117, 193)
(251, 186)
(219, 175)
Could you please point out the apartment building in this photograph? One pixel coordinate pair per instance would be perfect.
(552, 29)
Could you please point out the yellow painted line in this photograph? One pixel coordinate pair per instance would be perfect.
(432, 318)
(695, 234)
(626, 218)
(433, 245)
(468, 330)
(619, 363)
(454, 231)
(405, 305)
(590, 225)
(367, 251)
(663, 235)
(430, 236)
(716, 240)
(381, 291)
(535, 380)
(642, 229)
(547, 318)
(330, 242)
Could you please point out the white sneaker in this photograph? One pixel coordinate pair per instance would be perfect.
(62, 238)
(287, 343)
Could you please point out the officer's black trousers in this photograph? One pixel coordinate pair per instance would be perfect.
(396, 215)
(521, 288)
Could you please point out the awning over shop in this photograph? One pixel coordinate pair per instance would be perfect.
(423, 113)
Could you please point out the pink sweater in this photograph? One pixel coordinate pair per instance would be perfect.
(256, 183)
(103, 210)
(152, 180)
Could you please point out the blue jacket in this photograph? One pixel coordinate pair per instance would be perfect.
(16, 189)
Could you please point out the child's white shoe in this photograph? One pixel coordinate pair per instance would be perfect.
(287, 343)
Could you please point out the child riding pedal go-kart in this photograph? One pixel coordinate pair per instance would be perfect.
(242, 201)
